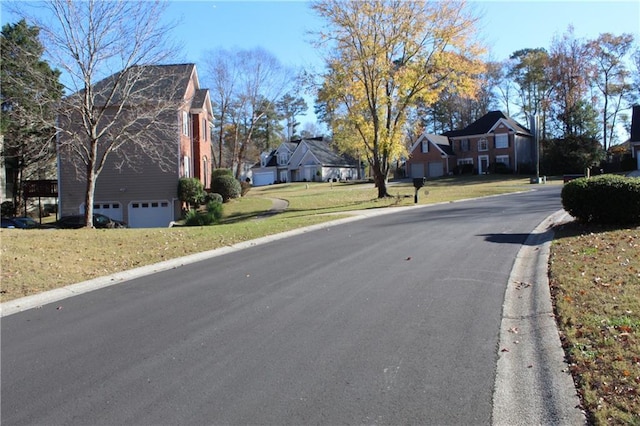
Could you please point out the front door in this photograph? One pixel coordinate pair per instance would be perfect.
(483, 164)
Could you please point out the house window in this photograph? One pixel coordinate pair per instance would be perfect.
(504, 159)
(425, 146)
(283, 158)
(185, 123)
(502, 140)
(186, 168)
(464, 145)
(483, 145)
(462, 161)
(204, 129)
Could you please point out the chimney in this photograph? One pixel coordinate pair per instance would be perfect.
(635, 124)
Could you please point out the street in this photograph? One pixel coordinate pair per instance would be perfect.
(392, 319)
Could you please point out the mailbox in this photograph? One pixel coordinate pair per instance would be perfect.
(419, 182)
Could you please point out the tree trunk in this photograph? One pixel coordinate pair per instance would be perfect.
(380, 179)
(89, 196)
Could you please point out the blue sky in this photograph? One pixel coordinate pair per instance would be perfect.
(282, 27)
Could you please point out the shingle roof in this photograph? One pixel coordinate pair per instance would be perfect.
(326, 155)
(166, 82)
(485, 123)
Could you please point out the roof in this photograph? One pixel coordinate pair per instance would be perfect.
(325, 154)
(486, 124)
(166, 82)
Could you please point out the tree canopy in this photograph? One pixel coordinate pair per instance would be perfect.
(383, 57)
(30, 93)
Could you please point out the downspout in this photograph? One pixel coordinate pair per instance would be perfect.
(515, 153)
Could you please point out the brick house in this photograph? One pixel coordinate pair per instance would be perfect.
(136, 188)
(493, 138)
(634, 141)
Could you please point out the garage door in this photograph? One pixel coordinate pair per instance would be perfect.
(111, 209)
(150, 214)
(417, 170)
(436, 169)
(262, 179)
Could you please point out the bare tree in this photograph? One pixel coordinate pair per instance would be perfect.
(246, 86)
(116, 107)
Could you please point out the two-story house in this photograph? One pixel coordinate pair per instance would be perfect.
(304, 160)
(142, 189)
(493, 138)
(634, 141)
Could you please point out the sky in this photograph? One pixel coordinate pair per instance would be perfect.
(283, 27)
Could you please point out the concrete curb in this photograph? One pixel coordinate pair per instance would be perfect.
(533, 385)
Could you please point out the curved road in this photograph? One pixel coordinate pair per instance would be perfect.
(394, 319)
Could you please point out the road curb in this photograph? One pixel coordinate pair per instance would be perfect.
(533, 385)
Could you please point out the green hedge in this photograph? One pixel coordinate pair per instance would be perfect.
(227, 186)
(606, 199)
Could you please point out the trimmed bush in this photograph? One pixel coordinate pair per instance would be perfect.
(213, 196)
(226, 186)
(605, 199)
(8, 209)
(221, 172)
(191, 191)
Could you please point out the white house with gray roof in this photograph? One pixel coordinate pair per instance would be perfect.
(304, 160)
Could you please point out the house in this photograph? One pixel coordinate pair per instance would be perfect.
(431, 156)
(137, 188)
(635, 135)
(304, 160)
(493, 138)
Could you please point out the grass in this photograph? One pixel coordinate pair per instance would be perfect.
(595, 281)
(38, 260)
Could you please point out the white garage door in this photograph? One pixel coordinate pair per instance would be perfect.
(111, 209)
(150, 214)
(417, 170)
(436, 169)
(262, 179)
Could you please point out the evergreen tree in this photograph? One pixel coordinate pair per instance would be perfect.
(29, 93)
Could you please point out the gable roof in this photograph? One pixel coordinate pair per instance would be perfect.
(325, 155)
(487, 123)
(166, 82)
(439, 141)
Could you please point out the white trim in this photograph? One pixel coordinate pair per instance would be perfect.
(480, 158)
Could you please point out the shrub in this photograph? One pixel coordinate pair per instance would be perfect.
(8, 209)
(213, 196)
(244, 188)
(221, 172)
(191, 191)
(211, 216)
(605, 199)
(226, 186)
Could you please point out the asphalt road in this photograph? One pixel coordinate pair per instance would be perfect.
(393, 319)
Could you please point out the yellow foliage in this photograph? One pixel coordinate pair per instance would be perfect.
(383, 58)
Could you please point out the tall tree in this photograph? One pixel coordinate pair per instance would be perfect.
(91, 40)
(570, 74)
(291, 107)
(612, 78)
(246, 86)
(529, 71)
(30, 92)
(382, 58)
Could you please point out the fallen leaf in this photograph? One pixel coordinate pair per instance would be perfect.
(408, 258)
(504, 350)
(513, 330)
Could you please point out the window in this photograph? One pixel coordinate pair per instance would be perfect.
(425, 146)
(483, 145)
(186, 169)
(204, 129)
(502, 140)
(185, 123)
(462, 161)
(504, 159)
(464, 145)
(283, 158)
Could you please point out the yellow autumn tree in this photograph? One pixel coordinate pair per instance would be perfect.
(382, 58)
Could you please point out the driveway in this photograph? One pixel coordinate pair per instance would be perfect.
(394, 319)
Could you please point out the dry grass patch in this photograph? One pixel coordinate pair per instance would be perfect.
(595, 280)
